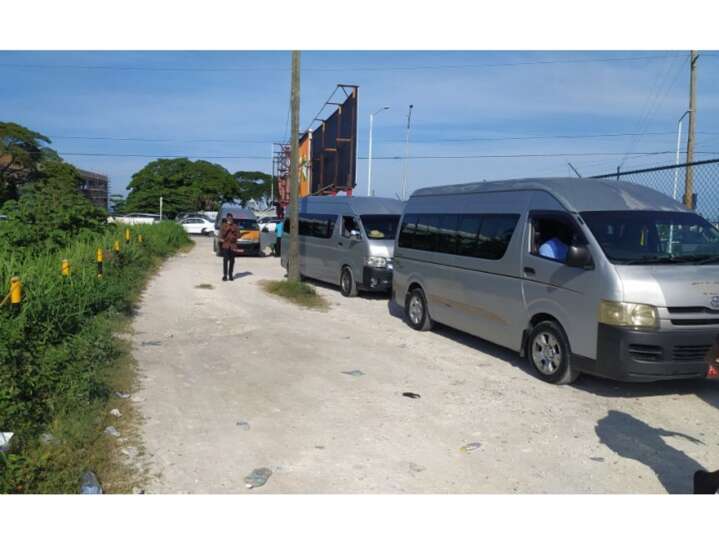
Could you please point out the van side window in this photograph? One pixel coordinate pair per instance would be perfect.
(447, 233)
(423, 239)
(494, 235)
(348, 225)
(407, 230)
(467, 234)
(317, 225)
(552, 234)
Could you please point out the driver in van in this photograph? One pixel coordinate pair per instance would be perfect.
(553, 247)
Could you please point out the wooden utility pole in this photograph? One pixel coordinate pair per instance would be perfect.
(689, 179)
(293, 258)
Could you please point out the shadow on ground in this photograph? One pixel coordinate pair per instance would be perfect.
(631, 438)
(707, 390)
(239, 275)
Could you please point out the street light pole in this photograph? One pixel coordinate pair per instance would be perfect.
(406, 154)
(676, 159)
(369, 155)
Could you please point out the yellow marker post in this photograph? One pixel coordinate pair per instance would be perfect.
(15, 291)
(116, 246)
(127, 235)
(139, 238)
(65, 268)
(99, 257)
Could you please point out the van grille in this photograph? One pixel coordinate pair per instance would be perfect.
(688, 322)
(643, 352)
(691, 310)
(690, 353)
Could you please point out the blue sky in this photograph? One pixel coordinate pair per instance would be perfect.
(465, 103)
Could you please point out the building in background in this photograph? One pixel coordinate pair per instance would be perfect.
(95, 187)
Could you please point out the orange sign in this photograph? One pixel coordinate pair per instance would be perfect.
(305, 163)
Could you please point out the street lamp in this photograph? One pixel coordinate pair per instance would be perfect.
(676, 174)
(676, 160)
(369, 155)
(406, 154)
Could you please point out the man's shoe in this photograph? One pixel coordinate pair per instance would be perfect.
(232, 278)
(224, 278)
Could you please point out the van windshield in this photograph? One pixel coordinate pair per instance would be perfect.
(246, 224)
(654, 237)
(380, 227)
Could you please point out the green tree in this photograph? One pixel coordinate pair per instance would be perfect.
(254, 185)
(50, 212)
(184, 185)
(21, 151)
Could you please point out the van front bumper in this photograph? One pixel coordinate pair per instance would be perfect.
(633, 355)
(376, 279)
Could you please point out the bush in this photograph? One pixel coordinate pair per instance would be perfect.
(55, 350)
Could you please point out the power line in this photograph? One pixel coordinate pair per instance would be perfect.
(331, 69)
(447, 140)
(387, 157)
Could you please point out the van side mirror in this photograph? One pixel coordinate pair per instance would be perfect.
(355, 235)
(579, 257)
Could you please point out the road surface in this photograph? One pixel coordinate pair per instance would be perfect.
(234, 379)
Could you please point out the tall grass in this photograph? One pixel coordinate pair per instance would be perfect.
(54, 350)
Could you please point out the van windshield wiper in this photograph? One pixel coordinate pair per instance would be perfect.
(653, 259)
(708, 259)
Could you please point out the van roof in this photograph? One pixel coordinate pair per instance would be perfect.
(237, 211)
(575, 194)
(359, 205)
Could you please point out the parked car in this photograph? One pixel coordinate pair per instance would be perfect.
(626, 298)
(269, 224)
(248, 242)
(197, 225)
(135, 218)
(347, 241)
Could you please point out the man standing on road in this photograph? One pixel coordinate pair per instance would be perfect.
(227, 239)
(279, 230)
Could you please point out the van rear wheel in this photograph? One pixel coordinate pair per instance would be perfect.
(549, 353)
(348, 285)
(415, 310)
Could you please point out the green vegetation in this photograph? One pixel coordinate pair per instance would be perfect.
(184, 185)
(22, 151)
(253, 185)
(297, 292)
(59, 359)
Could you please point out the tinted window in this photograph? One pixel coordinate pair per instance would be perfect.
(380, 227)
(422, 236)
(494, 235)
(317, 225)
(467, 234)
(406, 233)
(447, 233)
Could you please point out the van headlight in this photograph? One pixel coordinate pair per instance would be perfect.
(628, 314)
(377, 262)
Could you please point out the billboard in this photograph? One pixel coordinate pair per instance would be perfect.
(333, 149)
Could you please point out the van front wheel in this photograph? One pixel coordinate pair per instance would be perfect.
(549, 353)
(415, 310)
(348, 286)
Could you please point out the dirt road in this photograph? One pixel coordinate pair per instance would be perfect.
(235, 379)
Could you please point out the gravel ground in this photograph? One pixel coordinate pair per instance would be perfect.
(234, 379)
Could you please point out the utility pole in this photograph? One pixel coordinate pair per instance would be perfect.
(293, 258)
(406, 154)
(689, 179)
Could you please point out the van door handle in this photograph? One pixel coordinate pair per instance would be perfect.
(529, 271)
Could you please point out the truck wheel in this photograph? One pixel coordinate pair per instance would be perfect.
(348, 285)
(415, 310)
(549, 353)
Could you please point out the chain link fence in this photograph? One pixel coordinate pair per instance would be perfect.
(670, 180)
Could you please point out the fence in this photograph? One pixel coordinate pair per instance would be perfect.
(670, 180)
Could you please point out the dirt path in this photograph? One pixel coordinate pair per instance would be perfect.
(234, 379)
